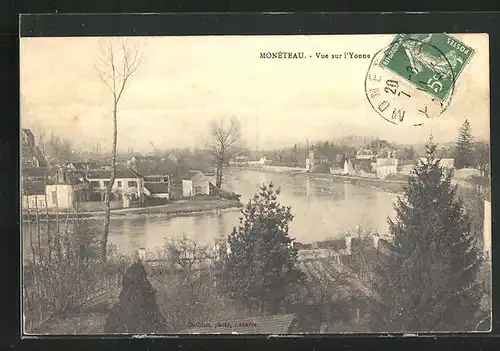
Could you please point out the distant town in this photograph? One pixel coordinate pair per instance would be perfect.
(60, 177)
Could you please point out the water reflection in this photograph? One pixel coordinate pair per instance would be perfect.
(321, 208)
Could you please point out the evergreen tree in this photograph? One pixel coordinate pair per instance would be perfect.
(429, 281)
(260, 268)
(464, 147)
(136, 311)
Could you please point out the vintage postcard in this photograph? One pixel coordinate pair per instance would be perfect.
(255, 184)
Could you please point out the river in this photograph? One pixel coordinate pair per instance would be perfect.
(322, 209)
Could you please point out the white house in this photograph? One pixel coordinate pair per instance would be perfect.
(41, 195)
(386, 166)
(128, 184)
(64, 196)
(195, 183)
(348, 167)
(33, 195)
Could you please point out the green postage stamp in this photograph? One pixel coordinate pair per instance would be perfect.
(414, 78)
(432, 62)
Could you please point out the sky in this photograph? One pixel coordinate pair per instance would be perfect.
(185, 82)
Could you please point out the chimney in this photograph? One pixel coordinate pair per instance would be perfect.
(376, 238)
(348, 240)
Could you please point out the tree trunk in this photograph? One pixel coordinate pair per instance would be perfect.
(107, 199)
(218, 180)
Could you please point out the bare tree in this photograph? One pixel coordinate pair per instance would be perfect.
(482, 156)
(225, 141)
(119, 61)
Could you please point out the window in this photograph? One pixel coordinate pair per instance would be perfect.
(119, 184)
(41, 203)
(106, 183)
(132, 184)
(94, 183)
(54, 197)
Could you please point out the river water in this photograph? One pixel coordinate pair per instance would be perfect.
(322, 209)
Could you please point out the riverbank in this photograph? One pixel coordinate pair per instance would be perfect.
(173, 209)
(392, 186)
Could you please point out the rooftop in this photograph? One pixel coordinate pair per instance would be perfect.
(193, 174)
(34, 187)
(156, 187)
(120, 173)
(36, 172)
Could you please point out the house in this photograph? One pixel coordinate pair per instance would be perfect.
(195, 183)
(362, 167)
(275, 324)
(240, 160)
(65, 196)
(386, 166)
(31, 156)
(61, 192)
(33, 195)
(315, 159)
(348, 167)
(157, 190)
(128, 185)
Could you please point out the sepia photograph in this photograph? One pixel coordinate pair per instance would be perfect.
(255, 184)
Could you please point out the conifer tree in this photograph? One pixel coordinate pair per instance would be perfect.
(260, 268)
(136, 311)
(429, 281)
(464, 148)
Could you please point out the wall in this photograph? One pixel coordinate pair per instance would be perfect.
(384, 171)
(96, 206)
(201, 187)
(187, 188)
(33, 201)
(160, 196)
(64, 194)
(337, 171)
(125, 189)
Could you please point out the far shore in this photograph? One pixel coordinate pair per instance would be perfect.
(177, 208)
(393, 186)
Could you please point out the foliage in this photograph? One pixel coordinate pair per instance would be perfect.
(58, 274)
(464, 147)
(260, 267)
(188, 293)
(482, 156)
(429, 282)
(224, 144)
(136, 311)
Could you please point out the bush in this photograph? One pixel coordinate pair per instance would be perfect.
(136, 311)
(58, 273)
(188, 292)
